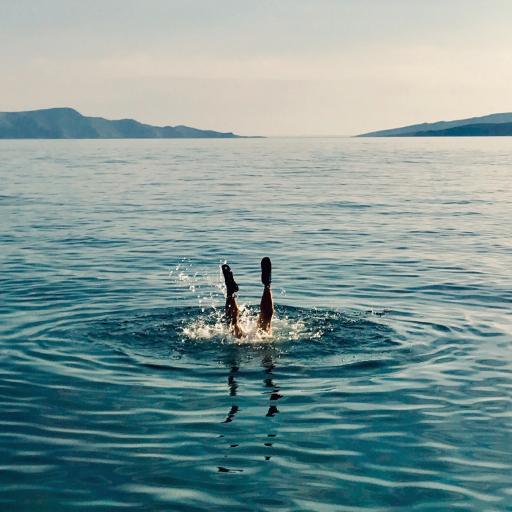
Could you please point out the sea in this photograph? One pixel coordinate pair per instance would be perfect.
(385, 386)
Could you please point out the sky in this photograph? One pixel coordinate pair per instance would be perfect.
(259, 67)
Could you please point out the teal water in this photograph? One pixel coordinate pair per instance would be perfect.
(387, 384)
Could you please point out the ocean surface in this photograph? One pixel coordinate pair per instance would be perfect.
(386, 386)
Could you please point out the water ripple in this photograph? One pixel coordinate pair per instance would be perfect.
(387, 383)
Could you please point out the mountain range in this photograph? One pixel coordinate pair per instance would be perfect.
(67, 123)
(487, 126)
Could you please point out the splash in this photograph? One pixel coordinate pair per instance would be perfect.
(213, 325)
(201, 282)
(207, 287)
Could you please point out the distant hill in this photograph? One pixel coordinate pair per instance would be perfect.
(468, 130)
(66, 123)
(419, 130)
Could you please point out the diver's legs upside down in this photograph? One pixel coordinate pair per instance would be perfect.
(266, 305)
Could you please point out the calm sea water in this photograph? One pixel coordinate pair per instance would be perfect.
(387, 384)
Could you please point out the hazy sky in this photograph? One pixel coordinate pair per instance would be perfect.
(262, 67)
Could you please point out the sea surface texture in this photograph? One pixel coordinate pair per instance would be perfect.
(386, 386)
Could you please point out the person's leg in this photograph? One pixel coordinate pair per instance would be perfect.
(267, 301)
(232, 310)
(232, 313)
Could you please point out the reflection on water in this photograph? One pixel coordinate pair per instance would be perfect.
(231, 415)
(268, 365)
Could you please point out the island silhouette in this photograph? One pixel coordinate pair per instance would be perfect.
(67, 123)
(494, 125)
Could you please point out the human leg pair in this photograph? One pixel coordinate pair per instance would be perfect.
(266, 304)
